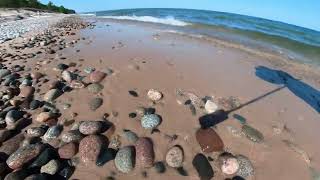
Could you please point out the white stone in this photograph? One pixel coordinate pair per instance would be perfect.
(210, 106)
(230, 166)
(154, 95)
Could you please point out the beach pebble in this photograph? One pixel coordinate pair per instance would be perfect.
(229, 164)
(252, 134)
(144, 152)
(124, 160)
(150, 121)
(89, 70)
(130, 136)
(36, 131)
(45, 156)
(13, 116)
(175, 156)
(246, 168)
(210, 106)
(44, 116)
(67, 76)
(11, 145)
(95, 103)
(160, 167)
(4, 72)
(52, 133)
(95, 88)
(97, 76)
(90, 127)
(90, 148)
(154, 95)
(67, 151)
(52, 94)
(203, 167)
(51, 167)
(76, 84)
(62, 67)
(209, 140)
(17, 175)
(71, 136)
(34, 104)
(26, 91)
(23, 155)
(133, 93)
(105, 156)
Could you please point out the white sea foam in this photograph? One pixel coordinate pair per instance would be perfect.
(168, 20)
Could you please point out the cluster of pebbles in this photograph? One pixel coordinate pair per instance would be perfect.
(35, 146)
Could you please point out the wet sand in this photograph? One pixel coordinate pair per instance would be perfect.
(144, 58)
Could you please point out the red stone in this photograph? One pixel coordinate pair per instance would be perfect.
(144, 153)
(209, 140)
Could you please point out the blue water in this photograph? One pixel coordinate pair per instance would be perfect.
(294, 42)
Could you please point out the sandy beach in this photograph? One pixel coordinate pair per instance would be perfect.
(130, 59)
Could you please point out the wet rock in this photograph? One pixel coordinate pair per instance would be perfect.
(45, 156)
(4, 134)
(210, 106)
(175, 156)
(124, 160)
(71, 136)
(13, 116)
(67, 172)
(246, 168)
(252, 134)
(209, 140)
(228, 164)
(90, 148)
(4, 72)
(52, 94)
(160, 167)
(67, 76)
(67, 151)
(17, 175)
(26, 91)
(51, 167)
(105, 156)
(95, 103)
(36, 131)
(144, 152)
(130, 136)
(34, 104)
(150, 121)
(97, 76)
(203, 167)
(52, 133)
(90, 127)
(95, 88)
(45, 116)
(154, 95)
(24, 155)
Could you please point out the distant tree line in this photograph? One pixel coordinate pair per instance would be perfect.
(34, 4)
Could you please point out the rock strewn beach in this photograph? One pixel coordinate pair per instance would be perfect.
(95, 99)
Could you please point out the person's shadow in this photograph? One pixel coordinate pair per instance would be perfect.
(302, 90)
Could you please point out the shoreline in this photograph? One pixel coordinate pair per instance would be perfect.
(139, 58)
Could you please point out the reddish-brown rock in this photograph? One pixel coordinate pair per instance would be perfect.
(67, 151)
(90, 148)
(144, 152)
(36, 75)
(97, 76)
(26, 91)
(24, 155)
(209, 140)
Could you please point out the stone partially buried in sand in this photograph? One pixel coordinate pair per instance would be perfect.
(144, 152)
(150, 121)
(44, 116)
(90, 148)
(52, 94)
(23, 155)
(95, 88)
(246, 168)
(97, 76)
(26, 91)
(252, 134)
(209, 140)
(175, 157)
(95, 103)
(124, 160)
(210, 106)
(229, 164)
(154, 95)
(203, 167)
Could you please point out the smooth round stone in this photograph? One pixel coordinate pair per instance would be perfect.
(23, 155)
(45, 116)
(90, 148)
(71, 136)
(97, 76)
(150, 121)
(95, 88)
(203, 167)
(67, 76)
(4, 72)
(13, 116)
(44, 157)
(144, 152)
(252, 134)
(34, 104)
(209, 140)
(210, 106)
(95, 103)
(230, 166)
(36, 75)
(67, 151)
(52, 94)
(175, 156)
(17, 175)
(246, 168)
(130, 136)
(90, 127)
(124, 160)
(154, 95)
(26, 91)
(4, 134)
(36, 131)
(160, 167)
(52, 133)
(51, 167)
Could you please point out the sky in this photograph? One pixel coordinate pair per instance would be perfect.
(305, 13)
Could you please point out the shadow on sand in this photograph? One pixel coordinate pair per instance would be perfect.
(304, 91)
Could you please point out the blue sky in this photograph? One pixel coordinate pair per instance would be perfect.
(304, 13)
